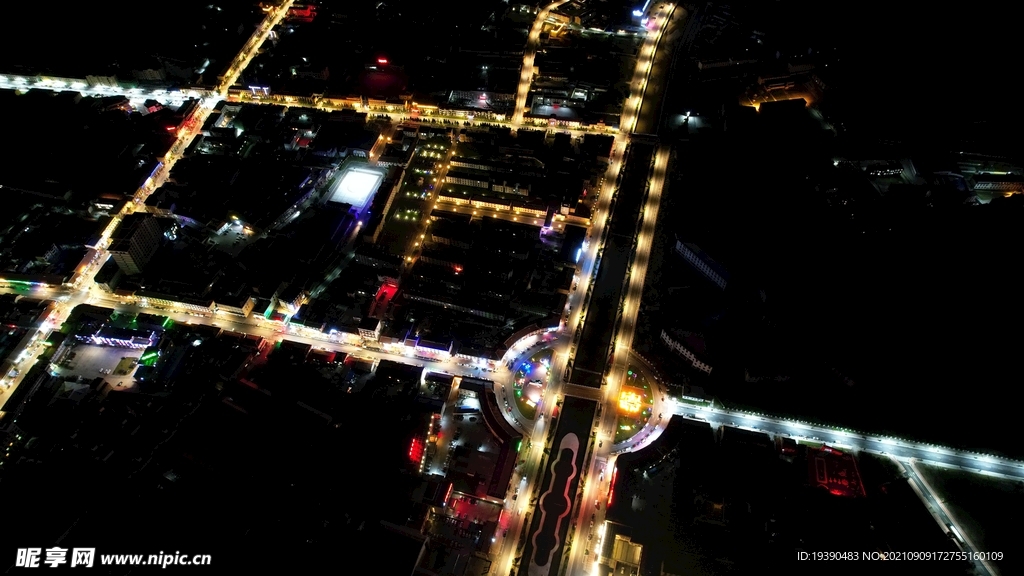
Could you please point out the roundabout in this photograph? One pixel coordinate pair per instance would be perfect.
(643, 409)
(635, 405)
(530, 381)
(525, 377)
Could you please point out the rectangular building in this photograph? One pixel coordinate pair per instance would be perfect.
(135, 242)
(468, 177)
(703, 263)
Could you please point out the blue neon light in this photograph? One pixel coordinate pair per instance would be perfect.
(156, 169)
(579, 252)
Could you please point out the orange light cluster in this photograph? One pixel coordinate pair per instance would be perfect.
(630, 401)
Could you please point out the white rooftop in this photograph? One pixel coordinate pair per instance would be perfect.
(357, 186)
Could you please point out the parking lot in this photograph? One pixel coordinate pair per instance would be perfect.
(463, 426)
(233, 239)
(90, 359)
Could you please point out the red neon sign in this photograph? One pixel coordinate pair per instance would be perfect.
(382, 61)
(416, 450)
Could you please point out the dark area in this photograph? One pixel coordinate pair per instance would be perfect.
(189, 42)
(734, 502)
(74, 150)
(861, 240)
(279, 447)
(896, 60)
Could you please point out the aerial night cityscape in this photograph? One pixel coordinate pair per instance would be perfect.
(587, 287)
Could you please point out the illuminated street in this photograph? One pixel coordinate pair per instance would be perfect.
(558, 223)
(623, 344)
(637, 397)
(399, 114)
(82, 281)
(589, 260)
(529, 55)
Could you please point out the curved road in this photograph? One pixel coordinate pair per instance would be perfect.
(529, 55)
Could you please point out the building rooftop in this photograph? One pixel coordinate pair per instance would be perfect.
(835, 471)
(508, 437)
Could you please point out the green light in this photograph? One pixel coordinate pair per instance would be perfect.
(519, 445)
(148, 356)
(167, 322)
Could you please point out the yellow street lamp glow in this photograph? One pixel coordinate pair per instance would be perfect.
(630, 400)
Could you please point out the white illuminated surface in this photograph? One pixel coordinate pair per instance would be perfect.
(357, 186)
